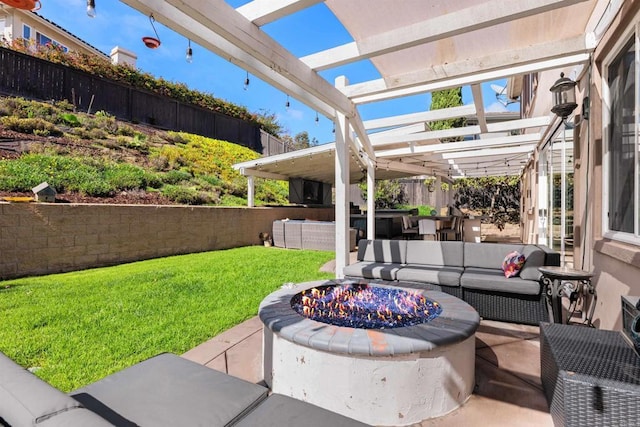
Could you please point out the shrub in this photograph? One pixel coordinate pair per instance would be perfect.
(126, 130)
(125, 177)
(30, 125)
(176, 176)
(97, 133)
(184, 195)
(69, 119)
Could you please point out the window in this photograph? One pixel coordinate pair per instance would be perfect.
(622, 174)
(26, 32)
(41, 39)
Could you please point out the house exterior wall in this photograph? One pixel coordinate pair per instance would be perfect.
(16, 19)
(615, 264)
(43, 238)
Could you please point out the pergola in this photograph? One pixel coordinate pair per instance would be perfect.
(417, 46)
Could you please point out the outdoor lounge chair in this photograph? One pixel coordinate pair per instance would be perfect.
(165, 390)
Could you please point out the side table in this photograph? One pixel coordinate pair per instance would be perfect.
(574, 283)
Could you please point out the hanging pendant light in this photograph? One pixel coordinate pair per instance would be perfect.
(152, 42)
(91, 8)
(189, 56)
(23, 4)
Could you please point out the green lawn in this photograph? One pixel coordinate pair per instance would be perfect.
(76, 328)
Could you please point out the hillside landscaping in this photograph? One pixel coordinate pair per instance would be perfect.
(96, 158)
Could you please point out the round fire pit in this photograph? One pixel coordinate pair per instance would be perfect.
(394, 374)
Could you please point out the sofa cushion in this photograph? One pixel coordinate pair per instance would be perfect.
(534, 257)
(384, 251)
(279, 410)
(488, 255)
(436, 274)
(494, 280)
(512, 264)
(77, 417)
(168, 390)
(27, 400)
(435, 253)
(372, 270)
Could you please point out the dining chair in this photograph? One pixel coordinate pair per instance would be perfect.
(426, 228)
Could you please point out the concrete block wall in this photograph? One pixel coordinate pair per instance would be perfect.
(44, 238)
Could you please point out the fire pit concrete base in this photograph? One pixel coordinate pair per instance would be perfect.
(381, 377)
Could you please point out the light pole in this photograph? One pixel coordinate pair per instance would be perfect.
(564, 102)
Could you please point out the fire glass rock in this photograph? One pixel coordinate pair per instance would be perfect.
(359, 305)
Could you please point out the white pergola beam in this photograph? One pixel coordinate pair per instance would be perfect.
(262, 12)
(452, 24)
(263, 174)
(476, 91)
(475, 70)
(426, 116)
(379, 140)
(463, 145)
(478, 154)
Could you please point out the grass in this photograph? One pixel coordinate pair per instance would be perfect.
(76, 328)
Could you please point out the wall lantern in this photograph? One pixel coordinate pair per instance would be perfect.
(564, 96)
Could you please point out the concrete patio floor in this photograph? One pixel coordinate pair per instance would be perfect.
(508, 391)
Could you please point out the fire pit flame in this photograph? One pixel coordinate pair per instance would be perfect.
(358, 305)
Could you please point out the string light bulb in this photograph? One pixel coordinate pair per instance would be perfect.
(189, 56)
(317, 119)
(91, 8)
(246, 82)
(287, 104)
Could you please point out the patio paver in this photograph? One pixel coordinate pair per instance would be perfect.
(508, 390)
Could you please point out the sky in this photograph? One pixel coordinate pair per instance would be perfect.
(116, 24)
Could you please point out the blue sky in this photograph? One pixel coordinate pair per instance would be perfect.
(116, 24)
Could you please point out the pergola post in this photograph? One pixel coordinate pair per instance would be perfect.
(371, 201)
(341, 187)
(251, 191)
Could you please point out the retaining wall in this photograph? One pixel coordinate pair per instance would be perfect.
(44, 238)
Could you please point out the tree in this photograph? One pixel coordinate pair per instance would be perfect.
(497, 197)
(445, 99)
(388, 193)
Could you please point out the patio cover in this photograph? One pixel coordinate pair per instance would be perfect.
(417, 46)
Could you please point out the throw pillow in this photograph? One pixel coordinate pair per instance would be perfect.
(512, 264)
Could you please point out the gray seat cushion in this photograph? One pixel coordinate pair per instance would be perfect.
(494, 280)
(284, 411)
(439, 275)
(168, 390)
(372, 270)
(383, 251)
(534, 258)
(488, 255)
(26, 400)
(435, 253)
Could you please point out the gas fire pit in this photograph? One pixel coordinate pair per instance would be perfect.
(384, 355)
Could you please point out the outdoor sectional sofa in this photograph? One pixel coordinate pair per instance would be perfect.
(165, 390)
(469, 271)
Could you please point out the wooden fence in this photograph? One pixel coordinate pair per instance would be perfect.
(34, 78)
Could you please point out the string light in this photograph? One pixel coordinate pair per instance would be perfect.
(317, 119)
(91, 8)
(246, 82)
(189, 56)
(287, 104)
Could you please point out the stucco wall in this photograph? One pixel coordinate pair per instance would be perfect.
(42, 238)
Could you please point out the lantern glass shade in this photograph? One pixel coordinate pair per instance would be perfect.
(564, 96)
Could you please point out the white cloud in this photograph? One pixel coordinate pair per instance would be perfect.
(496, 107)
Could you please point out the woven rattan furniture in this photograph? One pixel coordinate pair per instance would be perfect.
(590, 377)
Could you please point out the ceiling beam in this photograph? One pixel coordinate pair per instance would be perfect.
(262, 12)
(476, 92)
(462, 145)
(382, 139)
(263, 174)
(475, 70)
(478, 154)
(449, 25)
(425, 116)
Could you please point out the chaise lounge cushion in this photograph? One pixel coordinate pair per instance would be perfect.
(168, 390)
(279, 410)
(487, 279)
(27, 400)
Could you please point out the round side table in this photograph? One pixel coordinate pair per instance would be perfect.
(577, 283)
